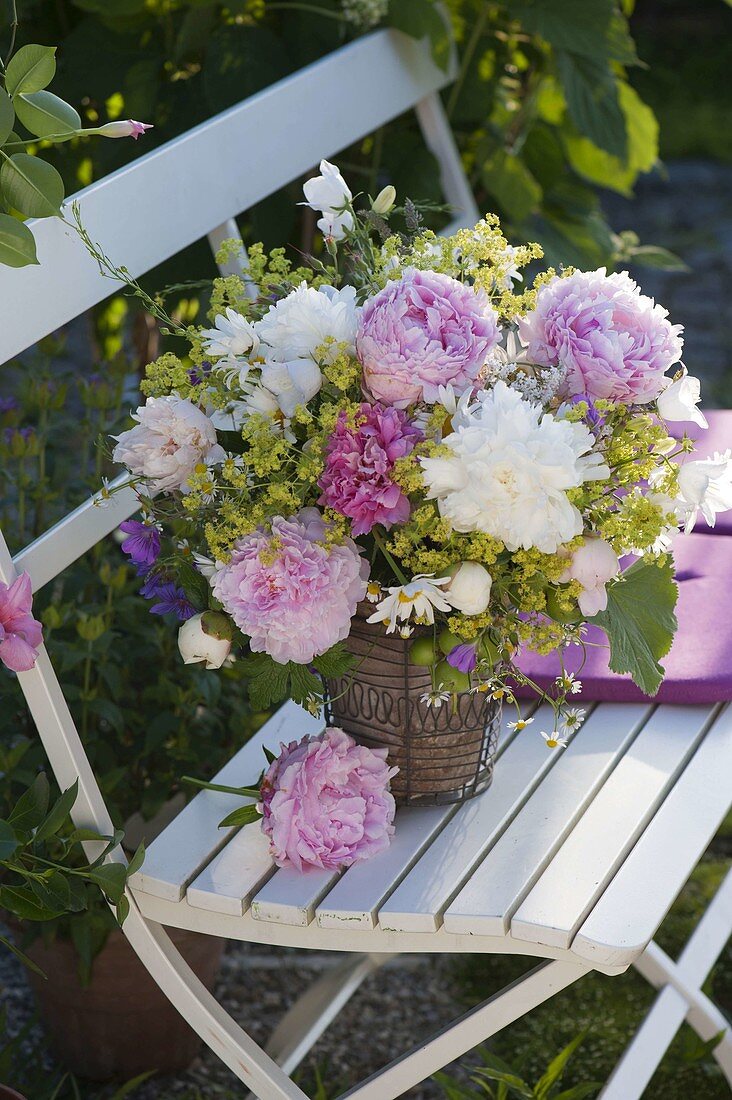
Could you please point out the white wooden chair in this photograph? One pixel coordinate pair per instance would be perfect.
(572, 857)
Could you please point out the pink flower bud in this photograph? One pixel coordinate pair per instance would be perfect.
(126, 128)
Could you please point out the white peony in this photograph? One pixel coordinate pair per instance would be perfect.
(296, 326)
(679, 400)
(705, 485)
(469, 590)
(171, 437)
(593, 564)
(329, 194)
(510, 469)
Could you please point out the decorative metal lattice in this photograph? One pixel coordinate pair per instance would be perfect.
(444, 754)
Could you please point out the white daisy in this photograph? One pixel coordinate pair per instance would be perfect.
(520, 724)
(420, 597)
(567, 682)
(572, 719)
(436, 698)
(553, 741)
(232, 337)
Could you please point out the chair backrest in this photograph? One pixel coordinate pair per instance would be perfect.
(194, 186)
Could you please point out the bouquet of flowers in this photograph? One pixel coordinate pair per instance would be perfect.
(403, 429)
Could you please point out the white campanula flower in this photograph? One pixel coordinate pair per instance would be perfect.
(384, 201)
(293, 383)
(510, 469)
(296, 326)
(469, 590)
(593, 564)
(172, 436)
(329, 195)
(232, 337)
(705, 485)
(420, 597)
(679, 400)
(206, 639)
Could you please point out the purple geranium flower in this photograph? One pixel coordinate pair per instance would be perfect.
(593, 418)
(143, 543)
(8, 404)
(197, 375)
(463, 657)
(172, 600)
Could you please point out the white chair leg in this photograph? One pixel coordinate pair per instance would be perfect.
(475, 1027)
(301, 1027)
(681, 998)
(203, 1012)
(439, 139)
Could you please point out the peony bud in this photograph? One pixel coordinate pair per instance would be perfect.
(593, 564)
(680, 399)
(126, 128)
(205, 637)
(384, 201)
(469, 590)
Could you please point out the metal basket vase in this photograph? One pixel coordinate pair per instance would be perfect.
(444, 754)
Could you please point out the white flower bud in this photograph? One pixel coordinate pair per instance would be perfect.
(207, 638)
(680, 399)
(469, 590)
(384, 201)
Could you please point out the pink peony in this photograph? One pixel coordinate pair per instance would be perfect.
(326, 802)
(614, 341)
(360, 460)
(289, 592)
(20, 633)
(423, 331)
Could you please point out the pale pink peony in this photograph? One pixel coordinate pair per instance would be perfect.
(171, 437)
(357, 479)
(20, 633)
(423, 331)
(614, 342)
(326, 802)
(290, 593)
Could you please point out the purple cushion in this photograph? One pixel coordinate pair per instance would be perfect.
(699, 666)
(717, 437)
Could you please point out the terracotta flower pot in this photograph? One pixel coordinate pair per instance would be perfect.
(6, 1093)
(121, 1024)
(444, 754)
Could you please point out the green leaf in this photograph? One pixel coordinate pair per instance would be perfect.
(591, 91)
(245, 815)
(53, 892)
(640, 622)
(601, 167)
(653, 255)
(21, 901)
(193, 583)
(130, 1086)
(303, 683)
(514, 1083)
(137, 860)
(422, 19)
(9, 842)
(579, 1092)
(30, 809)
(46, 115)
(507, 178)
(241, 60)
(30, 69)
(335, 662)
(22, 956)
(31, 186)
(582, 26)
(17, 244)
(7, 116)
(555, 1069)
(269, 686)
(58, 814)
(110, 878)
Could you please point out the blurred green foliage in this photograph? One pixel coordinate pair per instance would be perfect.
(542, 107)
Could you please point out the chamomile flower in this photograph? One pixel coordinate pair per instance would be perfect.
(572, 719)
(419, 598)
(520, 724)
(567, 683)
(406, 631)
(435, 698)
(373, 592)
(553, 741)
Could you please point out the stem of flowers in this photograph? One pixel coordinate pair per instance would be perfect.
(245, 792)
(398, 573)
(13, 32)
(467, 58)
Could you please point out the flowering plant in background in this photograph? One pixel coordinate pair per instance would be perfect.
(324, 802)
(20, 633)
(408, 429)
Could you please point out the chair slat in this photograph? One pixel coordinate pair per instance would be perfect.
(592, 853)
(198, 181)
(182, 850)
(418, 902)
(630, 910)
(76, 533)
(497, 886)
(229, 881)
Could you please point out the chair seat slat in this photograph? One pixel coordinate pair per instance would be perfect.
(627, 915)
(496, 887)
(227, 884)
(596, 848)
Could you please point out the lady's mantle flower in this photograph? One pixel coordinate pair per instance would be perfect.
(420, 597)
(553, 741)
(329, 194)
(593, 564)
(357, 479)
(290, 593)
(510, 470)
(20, 633)
(326, 802)
(142, 543)
(615, 342)
(423, 331)
(171, 437)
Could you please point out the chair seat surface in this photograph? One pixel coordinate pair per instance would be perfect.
(575, 852)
